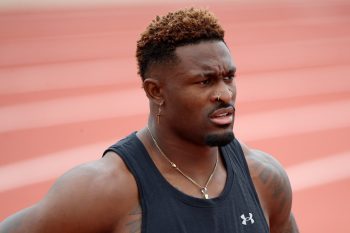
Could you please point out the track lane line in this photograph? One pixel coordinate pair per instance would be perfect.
(30, 171)
(292, 121)
(303, 176)
(320, 171)
(73, 110)
(278, 123)
(315, 80)
(118, 104)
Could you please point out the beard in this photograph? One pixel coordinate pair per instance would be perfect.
(219, 139)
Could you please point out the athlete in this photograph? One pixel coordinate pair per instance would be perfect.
(184, 171)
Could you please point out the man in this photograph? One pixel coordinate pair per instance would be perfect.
(183, 172)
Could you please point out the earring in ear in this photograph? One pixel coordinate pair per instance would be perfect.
(159, 111)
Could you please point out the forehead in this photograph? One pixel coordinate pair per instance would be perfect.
(213, 56)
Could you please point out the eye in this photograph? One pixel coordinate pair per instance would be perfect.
(229, 78)
(205, 82)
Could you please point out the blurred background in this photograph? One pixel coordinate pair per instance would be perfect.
(69, 88)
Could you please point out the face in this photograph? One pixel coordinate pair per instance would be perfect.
(199, 94)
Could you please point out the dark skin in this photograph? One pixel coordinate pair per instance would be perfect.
(102, 196)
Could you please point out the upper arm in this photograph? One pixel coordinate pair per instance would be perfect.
(274, 190)
(80, 201)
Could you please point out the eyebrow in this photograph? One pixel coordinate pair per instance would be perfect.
(212, 73)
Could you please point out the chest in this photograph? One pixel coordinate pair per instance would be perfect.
(236, 210)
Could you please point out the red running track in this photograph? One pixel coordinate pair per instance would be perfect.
(69, 88)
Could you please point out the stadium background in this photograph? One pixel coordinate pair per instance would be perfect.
(69, 88)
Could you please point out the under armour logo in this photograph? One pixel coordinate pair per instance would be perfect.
(247, 219)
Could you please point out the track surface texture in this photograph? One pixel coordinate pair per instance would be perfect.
(69, 88)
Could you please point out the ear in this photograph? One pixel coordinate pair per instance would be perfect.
(153, 89)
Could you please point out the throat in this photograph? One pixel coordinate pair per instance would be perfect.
(195, 173)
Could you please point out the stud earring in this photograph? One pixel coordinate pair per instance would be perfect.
(218, 96)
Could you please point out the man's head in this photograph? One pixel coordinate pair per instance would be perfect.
(188, 26)
(188, 75)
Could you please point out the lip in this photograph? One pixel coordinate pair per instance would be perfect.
(222, 116)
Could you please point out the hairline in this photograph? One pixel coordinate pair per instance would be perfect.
(172, 58)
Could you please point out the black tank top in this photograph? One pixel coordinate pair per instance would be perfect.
(165, 209)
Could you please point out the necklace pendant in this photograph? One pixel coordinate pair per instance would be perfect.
(205, 193)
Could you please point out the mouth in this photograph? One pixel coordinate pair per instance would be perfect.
(222, 116)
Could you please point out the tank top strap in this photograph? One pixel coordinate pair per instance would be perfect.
(236, 157)
(135, 156)
(239, 164)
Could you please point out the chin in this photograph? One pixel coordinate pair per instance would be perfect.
(219, 139)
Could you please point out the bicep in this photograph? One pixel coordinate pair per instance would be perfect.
(280, 203)
(55, 213)
(22, 221)
(67, 207)
(292, 226)
(274, 189)
(89, 198)
(37, 218)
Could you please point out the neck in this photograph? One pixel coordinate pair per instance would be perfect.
(195, 159)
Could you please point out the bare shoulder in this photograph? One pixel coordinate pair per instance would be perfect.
(89, 198)
(273, 187)
(267, 172)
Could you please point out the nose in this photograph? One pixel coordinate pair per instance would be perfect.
(225, 94)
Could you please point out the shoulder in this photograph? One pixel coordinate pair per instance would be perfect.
(91, 197)
(272, 185)
(106, 176)
(96, 185)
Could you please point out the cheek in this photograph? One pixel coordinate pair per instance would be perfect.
(183, 101)
(187, 100)
(183, 107)
(187, 105)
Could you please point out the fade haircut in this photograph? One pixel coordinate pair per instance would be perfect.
(186, 26)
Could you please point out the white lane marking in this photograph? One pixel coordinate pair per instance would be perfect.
(47, 167)
(276, 124)
(303, 81)
(73, 110)
(320, 171)
(30, 4)
(28, 172)
(133, 102)
(73, 75)
(291, 121)
(293, 83)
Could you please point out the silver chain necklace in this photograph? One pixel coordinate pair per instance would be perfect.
(203, 189)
